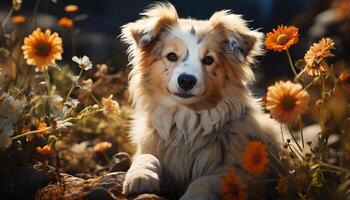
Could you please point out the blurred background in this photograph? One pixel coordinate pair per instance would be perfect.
(97, 26)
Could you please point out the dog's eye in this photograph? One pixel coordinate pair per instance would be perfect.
(208, 60)
(171, 57)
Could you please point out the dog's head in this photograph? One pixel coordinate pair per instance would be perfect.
(190, 62)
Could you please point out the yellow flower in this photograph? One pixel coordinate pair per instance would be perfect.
(255, 157)
(41, 127)
(286, 101)
(45, 150)
(71, 8)
(65, 22)
(316, 55)
(42, 49)
(232, 188)
(110, 106)
(102, 147)
(282, 38)
(18, 19)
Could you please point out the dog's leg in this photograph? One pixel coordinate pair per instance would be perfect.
(203, 188)
(143, 175)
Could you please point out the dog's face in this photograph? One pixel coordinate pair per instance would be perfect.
(190, 62)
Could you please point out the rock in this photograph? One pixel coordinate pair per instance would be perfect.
(121, 162)
(108, 186)
(98, 194)
(23, 182)
(149, 197)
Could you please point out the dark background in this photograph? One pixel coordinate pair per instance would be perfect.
(97, 34)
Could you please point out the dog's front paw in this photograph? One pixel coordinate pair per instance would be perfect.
(141, 181)
(143, 176)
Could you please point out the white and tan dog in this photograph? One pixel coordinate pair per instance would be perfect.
(194, 113)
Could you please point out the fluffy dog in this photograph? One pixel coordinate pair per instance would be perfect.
(194, 112)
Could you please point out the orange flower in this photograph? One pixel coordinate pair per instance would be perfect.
(42, 126)
(316, 55)
(286, 101)
(42, 49)
(19, 19)
(282, 186)
(46, 150)
(282, 38)
(345, 77)
(65, 22)
(110, 106)
(71, 8)
(102, 147)
(232, 188)
(255, 157)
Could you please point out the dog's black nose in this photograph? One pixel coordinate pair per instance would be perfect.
(186, 81)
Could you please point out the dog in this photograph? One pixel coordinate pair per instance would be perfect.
(194, 112)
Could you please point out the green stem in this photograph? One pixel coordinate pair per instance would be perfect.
(282, 133)
(47, 78)
(95, 99)
(295, 140)
(74, 85)
(7, 17)
(301, 132)
(31, 132)
(322, 164)
(291, 63)
(35, 11)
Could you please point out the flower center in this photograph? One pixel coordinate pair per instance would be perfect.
(256, 159)
(234, 190)
(43, 49)
(282, 38)
(288, 102)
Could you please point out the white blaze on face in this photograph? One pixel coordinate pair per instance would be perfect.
(190, 62)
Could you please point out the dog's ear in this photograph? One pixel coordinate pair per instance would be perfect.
(154, 21)
(239, 40)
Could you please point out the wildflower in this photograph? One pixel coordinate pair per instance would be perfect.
(19, 19)
(45, 150)
(84, 62)
(102, 147)
(86, 85)
(286, 101)
(42, 49)
(65, 22)
(255, 157)
(344, 77)
(42, 126)
(282, 187)
(71, 8)
(282, 38)
(101, 70)
(316, 55)
(232, 188)
(110, 106)
(16, 4)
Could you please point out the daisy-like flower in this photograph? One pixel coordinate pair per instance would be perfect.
(316, 55)
(65, 22)
(110, 106)
(16, 4)
(232, 188)
(84, 62)
(286, 101)
(255, 157)
(71, 8)
(18, 19)
(45, 150)
(42, 49)
(282, 38)
(102, 147)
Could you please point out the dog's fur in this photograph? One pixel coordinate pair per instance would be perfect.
(185, 145)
